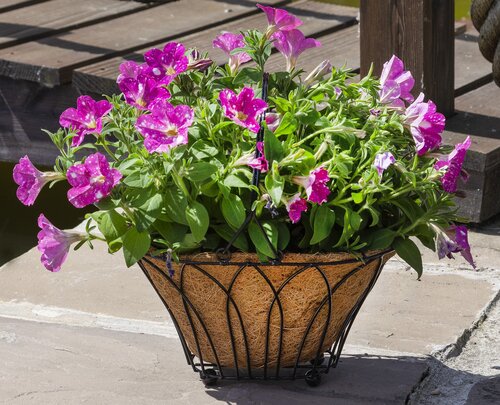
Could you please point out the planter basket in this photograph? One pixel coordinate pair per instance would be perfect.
(241, 318)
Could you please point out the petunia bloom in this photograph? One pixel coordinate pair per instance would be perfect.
(131, 70)
(395, 83)
(318, 72)
(254, 162)
(426, 125)
(382, 161)
(86, 118)
(295, 207)
(166, 126)
(291, 44)
(273, 121)
(242, 108)
(31, 180)
(227, 42)
(142, 91)
(54, 243)
(315, 185)
(452, 166)
(196, 62)
(168, 63)
(91, 181)
(279, 20)
(454, 240)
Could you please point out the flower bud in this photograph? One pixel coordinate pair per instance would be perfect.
(318, 72)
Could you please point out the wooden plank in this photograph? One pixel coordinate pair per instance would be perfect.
(8, 5)
(478, 115)
(318, 18)
(420, 32)
(51, 60)
(43, 19)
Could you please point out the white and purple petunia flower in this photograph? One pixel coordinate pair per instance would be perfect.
(396, 84)
(291, 44)
(454, 240)
(295, 207)
(426, 125)
(249, 159)
(315, 185)
(54, 243)
(452, 166)
(31, 180)
(166, 126)
(168, 63)
(86, 118)
(227, 42)
(273, 121)
(279, 20)
(142, 91)
(382, 161)
(91, 181)
(243, 108)
(131, 70)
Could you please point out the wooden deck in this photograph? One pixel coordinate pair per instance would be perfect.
(53, 50)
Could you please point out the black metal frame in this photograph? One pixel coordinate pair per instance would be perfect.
(321, 364)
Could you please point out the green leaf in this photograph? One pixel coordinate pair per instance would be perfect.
(201, 171)
(381, 239)
(201, 150)
(288, 125)
(357, 198)
(283, 235)
(273, 150)
(175, 205)
(170, 231)
(135, 246)
(198, 220)
(324, 220)
(408, 251)
(275, 184)
(227, 234)
(138, 180)
(233, 210)
(234, 181)
(259, 240)
(113, 226)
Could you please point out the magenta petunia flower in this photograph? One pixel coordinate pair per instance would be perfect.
(395, 83)
(382, 161)
(273, 121)
(54, 243)
(131, 70)
(452, 166)
(249, 159)
(454, 240)
(426, 125)
(315, 184)
(31, 180)
(91, 181)
(279, 20)
(142, 91)
(243, 108)
(291, 44)
(227, 42)
(295, 207)
(168, 63)
(166, 126)
(86, 118)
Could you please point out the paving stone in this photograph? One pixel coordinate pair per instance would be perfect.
(486, 392)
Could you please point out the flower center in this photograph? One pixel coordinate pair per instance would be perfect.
(241, 116)
(172, 131)
(99, 179)
(141, 102)
(170, 71)
(92, 124)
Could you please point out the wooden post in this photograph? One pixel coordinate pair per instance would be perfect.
(421, 33)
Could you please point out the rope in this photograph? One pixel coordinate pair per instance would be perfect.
(485, 15)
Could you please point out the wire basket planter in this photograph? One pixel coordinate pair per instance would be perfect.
(243, 319)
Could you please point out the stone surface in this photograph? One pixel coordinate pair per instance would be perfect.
(486, 392)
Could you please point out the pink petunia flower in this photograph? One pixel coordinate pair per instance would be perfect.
(396, 84)
(295, 207)
(54, 243)
(166, 126)
(168, 63)
(131, 70)
(227, 42)
(31, 180)
(454, 240)
(91, 181)
(273, 121)
(382, 161)
(291, 44)
(142, 91)
(315, 184)
(279, 20)
(249, 159)
(452, 166)
(86, 118)
(426, 125)
(243, 108)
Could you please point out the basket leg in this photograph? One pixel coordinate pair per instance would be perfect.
(209, 377)
(313, 377)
